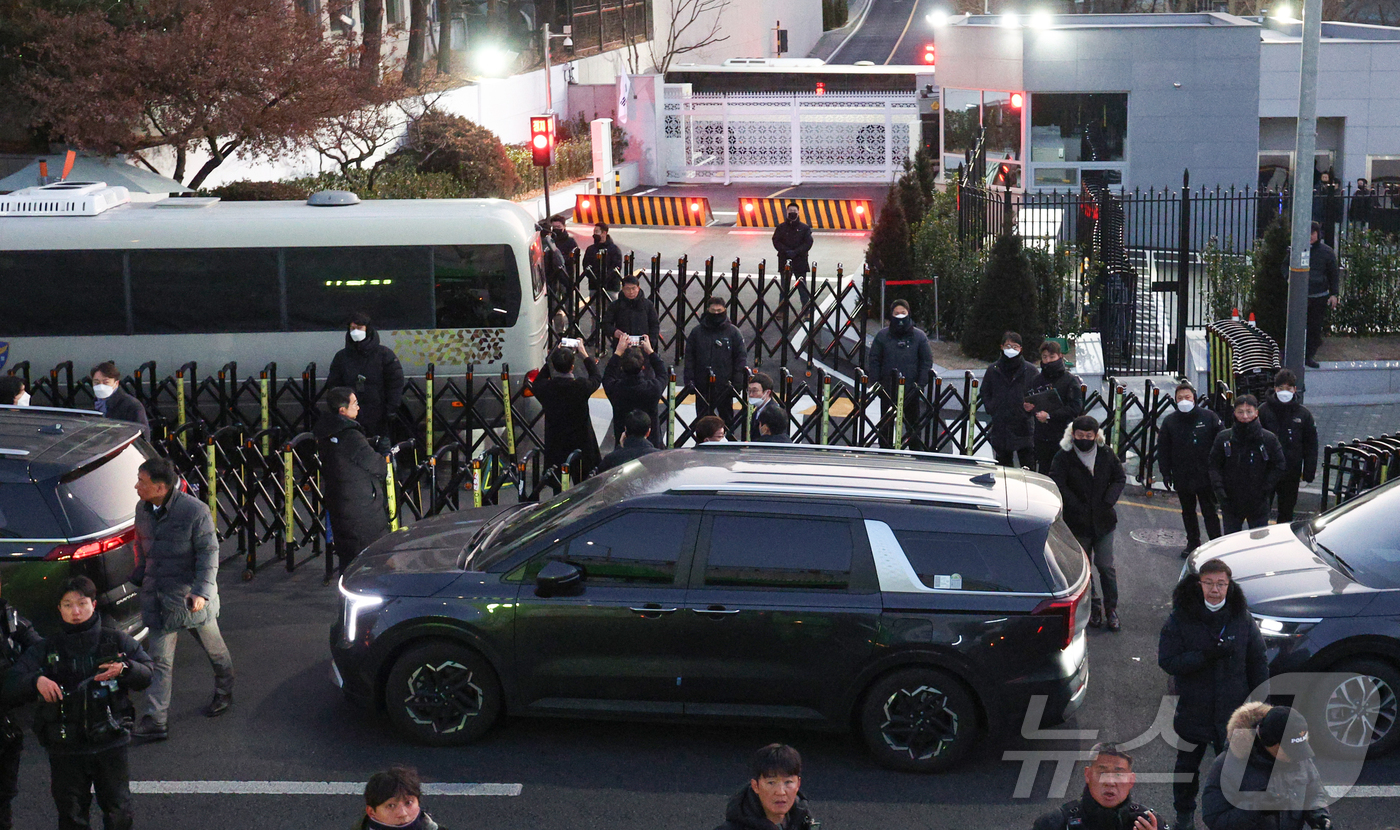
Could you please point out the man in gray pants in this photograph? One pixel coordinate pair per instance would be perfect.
(177, 569)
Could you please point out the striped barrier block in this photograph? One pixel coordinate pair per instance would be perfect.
(821, 214)
(689, 211)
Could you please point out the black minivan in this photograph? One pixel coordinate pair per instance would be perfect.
(918, 598)
(68, 508)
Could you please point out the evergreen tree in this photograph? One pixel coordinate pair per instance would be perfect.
(913, 198)
(1006, 301)
(888, 253)
(1269, 300)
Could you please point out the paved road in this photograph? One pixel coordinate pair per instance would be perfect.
(290, 725)
(894, 32)
(749, 245)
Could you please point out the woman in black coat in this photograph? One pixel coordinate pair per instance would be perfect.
(1212, 648)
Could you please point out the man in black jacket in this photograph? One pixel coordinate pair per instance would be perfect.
(1213, 651)
(603, 263)
(17, 635)
(792, 240)
(1246, 463)
(114, 403)
(568, 426)
(632, 313)
(715, 346)
(772, 426)
(1091, 479)
(773, 799)
(1050, 422)
(1275, 786)
(83, 675)
(901, 349)
(634, 442)
(1107, 802)
(1324, 290)
(1292, 424)
(634, 380)
(354, 476)
(373, 371)
(760, 397)
(1003, 391)
(1184, 443)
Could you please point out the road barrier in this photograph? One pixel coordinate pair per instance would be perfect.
(687, 211)
(1352, 468)
(1241, 357)
(821, 214)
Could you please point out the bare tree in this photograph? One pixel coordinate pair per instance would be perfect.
(357, 136)
(417, 42)
(684, 16)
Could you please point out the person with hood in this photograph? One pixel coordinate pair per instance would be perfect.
(1292, 424)
(393, 802)
(1004, 389)
(634, 443)
(1050, 422)
(792, 240)
(568, 426)
(603, 263)
(1324, 291)
(1091, 479)
(632, 313)
(17, 635)
(177, 569)
(716, 347)
(83, 676)
(901, 349)
(634, 381)
(1246, 463)
(373, 371)
(773, 798)
(112, 401)
(1272, 786)
(1212, 650)
(1184, 443)
(353, 475)
(1107, 802)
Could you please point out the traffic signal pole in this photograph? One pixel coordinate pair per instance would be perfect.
(548, 110)
(1305, 162)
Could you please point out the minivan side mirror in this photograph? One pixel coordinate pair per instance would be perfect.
(559, 579)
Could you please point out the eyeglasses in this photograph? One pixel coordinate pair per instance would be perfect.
(1216, 583)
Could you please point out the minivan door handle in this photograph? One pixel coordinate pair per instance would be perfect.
(716, 611)
(652, 609)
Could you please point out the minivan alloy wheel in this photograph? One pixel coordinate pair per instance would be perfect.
(443, 697)
(442, 694)
(919, 722)
(1361, 711)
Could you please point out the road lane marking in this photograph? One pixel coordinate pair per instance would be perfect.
(644, 192)
(1364, 791)
(305, 788)
(912, 11)
(860, 21)
(780, 192)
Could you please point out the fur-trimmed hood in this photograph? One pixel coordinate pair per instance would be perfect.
(1189, 601)
(1067, 440)
(1240, 728)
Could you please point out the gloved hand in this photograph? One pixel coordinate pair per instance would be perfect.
(382, 444)
(1318, 819)
(1167, 482)
(1220, 648)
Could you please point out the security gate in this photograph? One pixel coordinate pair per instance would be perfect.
(776, 137)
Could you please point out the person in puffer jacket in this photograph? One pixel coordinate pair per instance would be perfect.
(1091, 479)
(392, 802)
(773, 798)
(1268, 782)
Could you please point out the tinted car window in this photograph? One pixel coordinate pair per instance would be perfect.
(1365, 534)
(636, 547)
(527, 524)
(39, 288)
(776, 552)
(1065, 556)
(324, 285)
(24, 515)
(101, 496)
(216, 290)
(477, 286)
(956, 561)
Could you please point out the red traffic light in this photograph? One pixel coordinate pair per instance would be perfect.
(1017, 100)
(929, 54)
(542, 140)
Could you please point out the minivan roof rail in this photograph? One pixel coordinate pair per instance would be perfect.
(86, 413)
(947, 458)
(866, 493)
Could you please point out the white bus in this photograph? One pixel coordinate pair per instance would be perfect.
(86, 277)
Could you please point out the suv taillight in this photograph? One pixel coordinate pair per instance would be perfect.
(1065, 608)
(95, 547)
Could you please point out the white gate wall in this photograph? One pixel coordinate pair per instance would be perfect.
(776, 137)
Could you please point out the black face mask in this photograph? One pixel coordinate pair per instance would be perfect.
(901, 325)
(1084, 444)
(1250, 429)
(714, 319)
(792, 217)
(560, 234)
(1053, 367)
(598, 239)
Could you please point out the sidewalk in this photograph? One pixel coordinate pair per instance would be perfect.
(1336, 424)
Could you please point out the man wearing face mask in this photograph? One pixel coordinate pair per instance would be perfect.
(634, 381)
(558, 231)
(901, 349)
(715, 347)
(1183, 455)
(1246, 463)
(603, 264)
(792, 240)
(373, 371)
(1003, 391)
(760, 397)
(115, 403)
(1213, 652)
(632, 313)
(1091, 479)
(560, 271)
(12, 391)
(1292, 424)
(1050, 422)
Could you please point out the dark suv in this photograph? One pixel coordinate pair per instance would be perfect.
(67, 508)
(918, 598)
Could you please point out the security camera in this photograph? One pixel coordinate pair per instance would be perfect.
(568, 43)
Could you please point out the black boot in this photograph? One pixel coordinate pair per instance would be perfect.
(222, 702)
(1096, 616)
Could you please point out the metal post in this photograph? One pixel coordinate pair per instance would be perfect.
(264, 399)
(213, 482)
(476, 482)
(549, 107)
(899, 413)
(428, 424)
(289, 493)
(180, 398)
(391, 496)
(1298, 265)
(509, 415)
(1183, 273)
(826, 409)
(671, 409)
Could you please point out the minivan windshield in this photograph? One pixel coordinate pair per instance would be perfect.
(1364, 535)
(529, 523)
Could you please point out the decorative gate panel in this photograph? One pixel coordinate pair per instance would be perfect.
(837, 137)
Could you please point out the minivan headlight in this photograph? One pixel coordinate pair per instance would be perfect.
(355, 605)
(1284, 627)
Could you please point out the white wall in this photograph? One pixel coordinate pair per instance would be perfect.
(747, 26)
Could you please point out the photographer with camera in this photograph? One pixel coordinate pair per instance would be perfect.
(568, 426)
(82, 675)
(1107, 803)
(634, 380)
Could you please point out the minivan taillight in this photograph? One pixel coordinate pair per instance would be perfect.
(1065, 608)
(95, 547)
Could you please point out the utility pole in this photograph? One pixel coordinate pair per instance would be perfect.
(1304, 163)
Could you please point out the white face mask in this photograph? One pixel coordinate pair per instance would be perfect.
(1010, 353)
(1284, 396)
(103, 391)
(1216, 606)
(900, 316)
(357, 335)
(22, 400)
(755, 401)
(1186, 405)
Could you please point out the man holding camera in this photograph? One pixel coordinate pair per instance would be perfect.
(1107, 803)
(568, 426)
(632, 314)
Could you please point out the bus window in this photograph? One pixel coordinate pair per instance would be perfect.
(61, 292)
(537, 266)
(391, 284)
(478, 286)
(184, 291)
